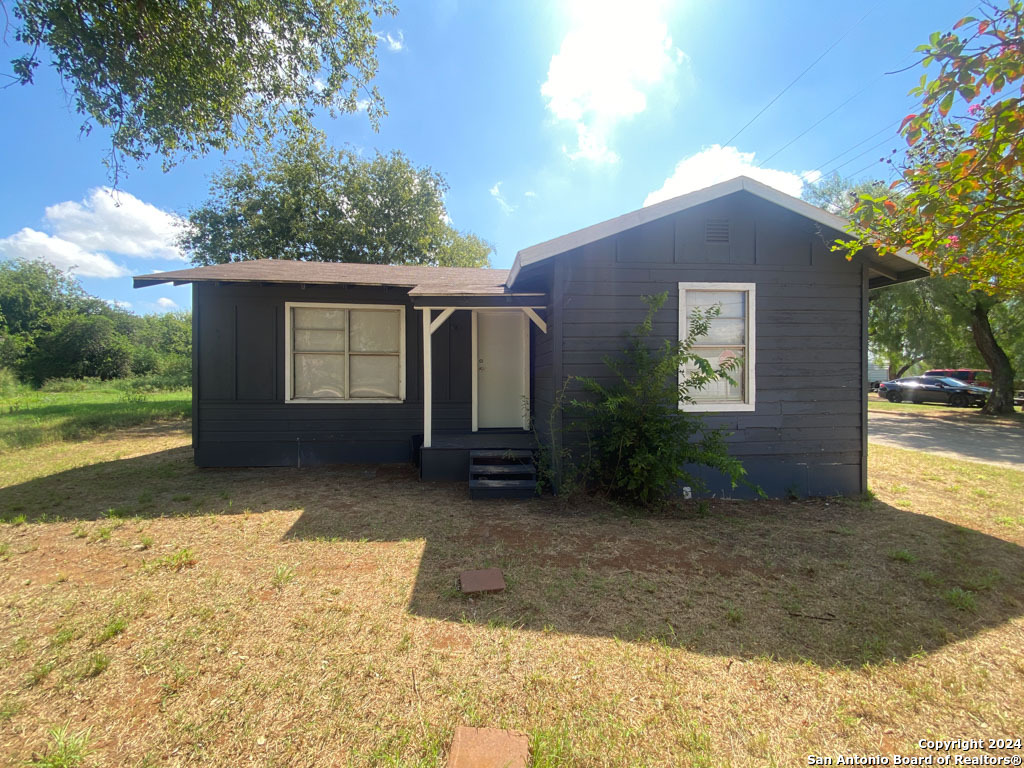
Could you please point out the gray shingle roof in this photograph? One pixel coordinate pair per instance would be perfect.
(422, 280)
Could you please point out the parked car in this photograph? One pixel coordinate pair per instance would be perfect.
(975, 376)
(933, 389)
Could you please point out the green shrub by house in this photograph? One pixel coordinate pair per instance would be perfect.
(640, 441)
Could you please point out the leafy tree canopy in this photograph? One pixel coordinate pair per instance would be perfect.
(311, 202)
(179, 79)
(959, 203)
(51, 328)
(32, 293)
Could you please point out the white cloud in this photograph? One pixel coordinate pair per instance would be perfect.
(118, 304)
(529, 193)
(167, 304)
(717, 163)
(614, 57)
(395, 43)
(63, 254)
(116, 222)
(502, 202)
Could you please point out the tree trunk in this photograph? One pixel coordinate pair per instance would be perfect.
(903, 370)
(1001, 399)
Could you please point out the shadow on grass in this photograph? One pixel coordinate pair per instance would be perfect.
(834, 583)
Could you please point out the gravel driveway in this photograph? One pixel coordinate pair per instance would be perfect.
(959, 437)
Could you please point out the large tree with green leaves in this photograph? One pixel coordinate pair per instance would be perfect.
(944, 320)
(311, 202)
(179, 79)
(959, 202)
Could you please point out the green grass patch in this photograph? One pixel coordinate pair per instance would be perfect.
(94, 666)
(36, 417)
(903, 556)
(183, 558)
(283, 575)
(961, 599)
(112, 629)
(65, 750)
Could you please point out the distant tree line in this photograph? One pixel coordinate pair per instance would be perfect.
(50, 328)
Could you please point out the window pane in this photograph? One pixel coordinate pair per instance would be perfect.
(374, 375)
(725, 331)
(374, 331)
(733, 302)
(319, 341)
(722, 390)
(319, 376)
(314, 317)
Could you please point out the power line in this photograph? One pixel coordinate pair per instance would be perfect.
(858, 144)
(795, 80)
(819, 122)
(872, 148)
(814, 125)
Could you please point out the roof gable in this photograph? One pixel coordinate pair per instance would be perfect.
(890, 265)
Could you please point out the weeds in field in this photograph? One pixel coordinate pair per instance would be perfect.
(62, 637)
(112, 629)
(176, 561)
(903, 556)
(66, 749)
(961, 599)
(283, 575)
(94, 666)
(9, 708)
(39, 672)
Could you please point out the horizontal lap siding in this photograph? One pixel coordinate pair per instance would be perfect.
(806, 431)
(241, 416)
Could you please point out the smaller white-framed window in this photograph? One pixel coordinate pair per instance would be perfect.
(731, 335)
(344, 353)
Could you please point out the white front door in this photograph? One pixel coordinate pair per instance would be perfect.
(501, 348)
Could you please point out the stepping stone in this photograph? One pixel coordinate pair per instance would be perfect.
(487, 580)
(489, 748)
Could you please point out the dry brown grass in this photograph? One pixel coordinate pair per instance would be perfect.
(313, 617)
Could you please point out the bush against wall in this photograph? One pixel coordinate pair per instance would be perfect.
(640, 442)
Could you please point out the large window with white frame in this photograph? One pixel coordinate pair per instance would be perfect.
(731, 335)
(345, 353)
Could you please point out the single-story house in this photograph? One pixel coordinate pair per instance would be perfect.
(299, 363)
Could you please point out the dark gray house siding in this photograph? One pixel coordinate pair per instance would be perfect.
(807, 434)
(240, 414)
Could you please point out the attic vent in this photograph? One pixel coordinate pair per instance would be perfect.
(716, 231)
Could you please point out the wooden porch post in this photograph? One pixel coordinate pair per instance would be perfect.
(428, 380)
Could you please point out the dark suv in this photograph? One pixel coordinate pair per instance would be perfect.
(933, 389)
(975, 376)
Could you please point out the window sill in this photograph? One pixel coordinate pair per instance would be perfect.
(332, 401)
(716, 407)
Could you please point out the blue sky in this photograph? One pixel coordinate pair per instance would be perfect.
(543, 116)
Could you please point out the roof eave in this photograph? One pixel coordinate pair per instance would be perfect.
(563, 243)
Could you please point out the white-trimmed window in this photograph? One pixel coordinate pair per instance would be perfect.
(731, 335)
(348, 353)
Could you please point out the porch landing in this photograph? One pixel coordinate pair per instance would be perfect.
(448, 457)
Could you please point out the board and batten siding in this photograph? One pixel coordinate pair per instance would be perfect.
(807, 434)
(240, 414)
